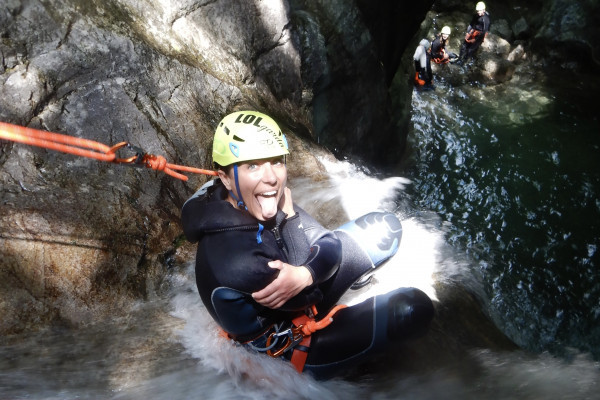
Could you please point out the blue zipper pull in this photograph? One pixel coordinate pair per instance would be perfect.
(258, 237)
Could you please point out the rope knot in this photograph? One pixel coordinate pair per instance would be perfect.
(311, 326)
(156, 162)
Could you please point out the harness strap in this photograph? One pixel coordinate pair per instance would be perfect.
(296, 338)
(300, 354)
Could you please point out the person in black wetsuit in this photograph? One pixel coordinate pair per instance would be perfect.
(439, 55)
(477, 31)
(263, 263)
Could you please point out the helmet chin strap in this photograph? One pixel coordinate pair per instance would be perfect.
(240, 201)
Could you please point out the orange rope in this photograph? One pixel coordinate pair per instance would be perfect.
(311, 326)
(160, 163)
(91, 149)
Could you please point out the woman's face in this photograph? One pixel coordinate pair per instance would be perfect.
(261, 185)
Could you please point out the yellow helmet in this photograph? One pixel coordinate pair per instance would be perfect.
(480, 6)
(446, 30)
(247, 135)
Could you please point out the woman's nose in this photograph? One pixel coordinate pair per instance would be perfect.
(268, 175)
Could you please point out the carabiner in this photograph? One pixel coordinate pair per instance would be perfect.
(293, 337)
(137, 160)
(139, 154)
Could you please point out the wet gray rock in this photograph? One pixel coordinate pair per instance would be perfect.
(520, 28)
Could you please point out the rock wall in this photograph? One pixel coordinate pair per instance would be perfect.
(350, 56)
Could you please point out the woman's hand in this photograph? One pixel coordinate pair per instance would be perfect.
(290, 281)
(286, 204)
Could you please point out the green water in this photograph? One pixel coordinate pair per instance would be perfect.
(513, 172)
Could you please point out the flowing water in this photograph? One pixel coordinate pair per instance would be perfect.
(501, 194)
(514, 176)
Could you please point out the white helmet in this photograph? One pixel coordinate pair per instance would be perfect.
(446, 30)
(480, 6)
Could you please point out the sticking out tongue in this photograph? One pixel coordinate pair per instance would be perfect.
(268, 205)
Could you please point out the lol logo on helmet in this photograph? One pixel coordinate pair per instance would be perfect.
(247, 135)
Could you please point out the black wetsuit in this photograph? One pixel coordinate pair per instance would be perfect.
(230, 256)
(476, 33)
(231, 263)
(438, 47)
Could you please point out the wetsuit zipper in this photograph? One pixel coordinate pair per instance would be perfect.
(276, 230)
(278, 238)
(233, 228)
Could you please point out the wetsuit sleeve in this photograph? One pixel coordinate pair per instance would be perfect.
(229, 267)
(234, 260)
(191, 212)
(486, 24)
(189, 219)
(435, 46)
(325, 251)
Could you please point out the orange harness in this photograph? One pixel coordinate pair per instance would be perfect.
(296, 338)
(91, 149)
(444, 59)
(302, 329)
(471, 36)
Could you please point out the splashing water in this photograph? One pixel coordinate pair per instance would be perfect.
(413, 265)
(358, 194)
(422, 256)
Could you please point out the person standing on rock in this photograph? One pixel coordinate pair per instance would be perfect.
(271, 276)
(477, 31)
(439, 55)
(422, 58)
